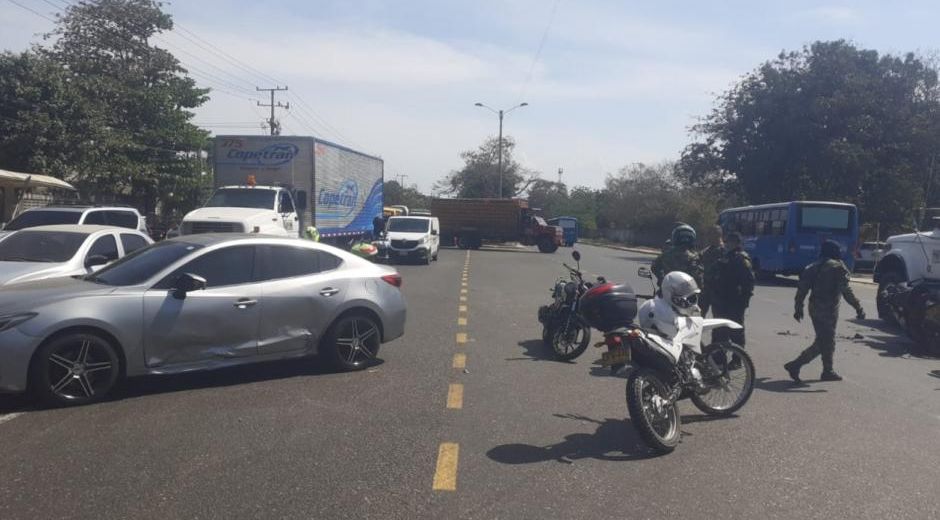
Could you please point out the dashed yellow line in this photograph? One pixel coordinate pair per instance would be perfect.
(462, 308)
(445, 476)
(463, 290)
(461, 322)
(461, 338)
(455, 396)
(460, 360)
(463, 298)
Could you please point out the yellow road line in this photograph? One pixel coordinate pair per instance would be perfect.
(460, 361)
(455, 396)
(462, 322)
(445, 476)
(462, 308)
(461, 338)
(463, 290)
(463, 298)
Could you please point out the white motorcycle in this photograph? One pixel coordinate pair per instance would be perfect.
(670, 362)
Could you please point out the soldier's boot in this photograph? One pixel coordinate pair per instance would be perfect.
(793, 368)
(828, 374)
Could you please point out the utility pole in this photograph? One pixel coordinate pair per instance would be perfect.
(401, 179)
(275, 126)
(500, 113)
(560, 171)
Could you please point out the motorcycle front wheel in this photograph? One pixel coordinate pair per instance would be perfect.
(654, 416)
(728, 372)
(570, 342)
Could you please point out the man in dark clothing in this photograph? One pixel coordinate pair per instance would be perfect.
(710, 257)
(680, 256)
(378, 226)
(734, 285)
(826, 281)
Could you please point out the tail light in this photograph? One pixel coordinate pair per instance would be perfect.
(393, 279)
(598, 290)
(614, 340)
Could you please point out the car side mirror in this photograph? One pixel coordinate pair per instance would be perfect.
(644, 272)
(300, 200)
(576, 255)
(96, 261)
(434, 232)
(187, 283)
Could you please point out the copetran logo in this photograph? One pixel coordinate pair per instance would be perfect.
(271, 155)
(342, 201)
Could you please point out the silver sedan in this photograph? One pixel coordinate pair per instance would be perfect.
(193, 303)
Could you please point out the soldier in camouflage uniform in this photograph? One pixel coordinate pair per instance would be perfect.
(710, 256)
(733, 281)
(680, 256)
(826, 281)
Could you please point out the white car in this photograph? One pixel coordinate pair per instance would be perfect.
(413, 237)
(118, 216)
(67, 250)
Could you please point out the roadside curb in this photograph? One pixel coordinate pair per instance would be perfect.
(653, 252)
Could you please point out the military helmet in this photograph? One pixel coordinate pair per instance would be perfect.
(683, 235)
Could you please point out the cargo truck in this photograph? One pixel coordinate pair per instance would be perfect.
(281, 184)
(468, 222)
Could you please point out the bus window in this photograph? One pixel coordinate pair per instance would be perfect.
(818, 218)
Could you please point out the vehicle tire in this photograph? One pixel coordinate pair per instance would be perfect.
(546, 245)
(885, 311)
(568, 351)
(427, 259)
(660, 429)
(352, 342)
(733, 381)
(435, 255)
(74, 369)
(547, 335)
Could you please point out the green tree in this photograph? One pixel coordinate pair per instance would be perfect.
(147, 146)
(549, 197)
(830, 122)
(395, 194)
(479, 178)
(46, 124)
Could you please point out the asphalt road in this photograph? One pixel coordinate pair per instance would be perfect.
(512, 435)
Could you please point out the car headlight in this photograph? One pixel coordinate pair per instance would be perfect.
(12, 320)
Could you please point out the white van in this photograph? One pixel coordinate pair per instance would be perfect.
(413, 237)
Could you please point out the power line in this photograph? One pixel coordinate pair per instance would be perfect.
(538, 52)
(30, 9)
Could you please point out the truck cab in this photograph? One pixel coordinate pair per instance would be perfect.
(267, 210)
(913, 257)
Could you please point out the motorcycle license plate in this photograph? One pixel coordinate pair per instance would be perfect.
(620, 356)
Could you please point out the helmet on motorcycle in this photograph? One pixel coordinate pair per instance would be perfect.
(683, 236)
(681, 291)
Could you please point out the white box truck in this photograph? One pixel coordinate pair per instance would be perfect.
(281, 184)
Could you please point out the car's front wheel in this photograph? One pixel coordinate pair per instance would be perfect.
(75, 368)
(352, 343)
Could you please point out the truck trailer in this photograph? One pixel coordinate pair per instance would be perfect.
(469, 222)
(282, 184)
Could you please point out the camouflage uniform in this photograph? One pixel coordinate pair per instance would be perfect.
(710, 257)
(678, 259)
(826, 281)
(733, 279)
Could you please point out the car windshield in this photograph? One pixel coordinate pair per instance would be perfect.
(41, 246)
(409, 225)
(143, 264)
(242, 198)
(42, 217)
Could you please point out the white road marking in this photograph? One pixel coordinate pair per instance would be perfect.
(9, 417)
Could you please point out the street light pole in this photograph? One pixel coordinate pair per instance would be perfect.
(499, 168)
(501, 113)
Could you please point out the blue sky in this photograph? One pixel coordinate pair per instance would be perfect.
(615, 83)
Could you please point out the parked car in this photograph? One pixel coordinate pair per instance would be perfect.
(869, 254)
(67, 250)
(413, 237)
(192, 303)
(117, 216)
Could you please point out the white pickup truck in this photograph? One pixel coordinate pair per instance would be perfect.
(267, 210)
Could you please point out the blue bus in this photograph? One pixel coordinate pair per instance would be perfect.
(569, 228)
(784, 238)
